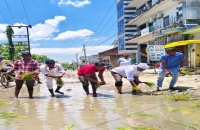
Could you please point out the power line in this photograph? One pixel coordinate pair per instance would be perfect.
(103, 41)
(103, 27)
(25, 11)
(3, 16)
(101, 22)
(10, 12)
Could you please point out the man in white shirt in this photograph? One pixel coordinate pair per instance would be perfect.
(124, 60)
(52, 71)
(131, 72)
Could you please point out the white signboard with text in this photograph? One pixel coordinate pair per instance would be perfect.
(155, 51)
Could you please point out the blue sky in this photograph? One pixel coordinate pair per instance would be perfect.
(61, 27)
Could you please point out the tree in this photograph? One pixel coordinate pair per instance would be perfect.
(66, 65)
(9, 32)
(40, 58)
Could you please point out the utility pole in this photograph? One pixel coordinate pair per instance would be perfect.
(84, 50)
(27, 35)
(77, 62)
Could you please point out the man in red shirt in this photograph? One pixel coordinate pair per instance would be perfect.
(26, 64)
(88, 73)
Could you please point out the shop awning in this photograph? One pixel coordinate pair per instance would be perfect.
(182, 43)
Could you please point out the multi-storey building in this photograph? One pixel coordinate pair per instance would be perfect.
(124, 31)
(156, 23)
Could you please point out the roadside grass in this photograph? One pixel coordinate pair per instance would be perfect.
(140, 115)
(69, 126)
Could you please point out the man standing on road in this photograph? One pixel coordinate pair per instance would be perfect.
(87, 73)
(26, 64)
(172, 63)
(131, 72)
(52, 71)
(124, 60)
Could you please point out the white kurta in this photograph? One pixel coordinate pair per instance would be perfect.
(54, 72)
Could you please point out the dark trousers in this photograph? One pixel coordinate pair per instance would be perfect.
(85, 82)
(29, 84)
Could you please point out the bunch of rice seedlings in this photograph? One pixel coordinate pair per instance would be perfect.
(150, 84)
(12, 77)
(140, 115)
(59, 82)
(97, 86)
(27, 76)
(136, 89)
(179, 97)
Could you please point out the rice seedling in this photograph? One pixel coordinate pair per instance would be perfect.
(27, 76)
(150, 84)
(50, 108)
(140, 115)
(143, 128)
(9, 115)
(3, 103)
(97, 86)
(12, 77)
(136, 89)
(135, 103)
(117, 109)
(69, 126)
(92, 109)
(186, 124)
(171, 109)
(59, 82)
(187, 72)
(196, 104)
(178, 97)
(123, 128)
(6, 123)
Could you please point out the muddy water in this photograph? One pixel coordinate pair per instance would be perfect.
(108, 111)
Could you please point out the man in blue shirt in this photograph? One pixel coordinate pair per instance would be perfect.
(171, 64)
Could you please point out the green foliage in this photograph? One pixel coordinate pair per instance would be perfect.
(67, 65)
(40, 58)
(9, 31)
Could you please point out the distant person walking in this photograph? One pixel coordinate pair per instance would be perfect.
(124, 60)
(88, 73)
(171, 64)
(52, 71)
(26, 64)
(131, 73)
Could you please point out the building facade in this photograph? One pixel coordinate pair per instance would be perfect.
(125, 31)
(161, 22)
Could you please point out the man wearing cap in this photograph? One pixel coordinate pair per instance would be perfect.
(87, 73)
(172, 63)
(26, 64)
(124, 60)
(131, 72)
(52, 71)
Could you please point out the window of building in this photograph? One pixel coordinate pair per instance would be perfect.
(121, 44)
(121, 27)
(120, 9)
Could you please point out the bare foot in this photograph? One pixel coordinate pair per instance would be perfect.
(156, 90)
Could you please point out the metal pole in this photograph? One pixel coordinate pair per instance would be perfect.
(29, 49)
(84, 50)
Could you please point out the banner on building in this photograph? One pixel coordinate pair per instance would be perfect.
(155, 51)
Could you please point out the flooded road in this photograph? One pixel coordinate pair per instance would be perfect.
(108, 111)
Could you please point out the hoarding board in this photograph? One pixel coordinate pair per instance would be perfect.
(155, 51)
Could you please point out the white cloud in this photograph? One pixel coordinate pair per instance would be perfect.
(75, 3)
(68, 51)
(74, 34)
(42, 31)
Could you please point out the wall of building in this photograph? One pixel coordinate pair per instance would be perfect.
(196, 53)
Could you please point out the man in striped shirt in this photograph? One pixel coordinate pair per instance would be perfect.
(26, 64)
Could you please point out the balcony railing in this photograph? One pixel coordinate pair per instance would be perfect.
(141, 11)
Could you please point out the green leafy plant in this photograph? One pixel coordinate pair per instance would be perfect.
(27, 76)
(178, 97)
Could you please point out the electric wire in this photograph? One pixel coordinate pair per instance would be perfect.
(103, 27)
(101, 22)
(10, 12)
(3, 17)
